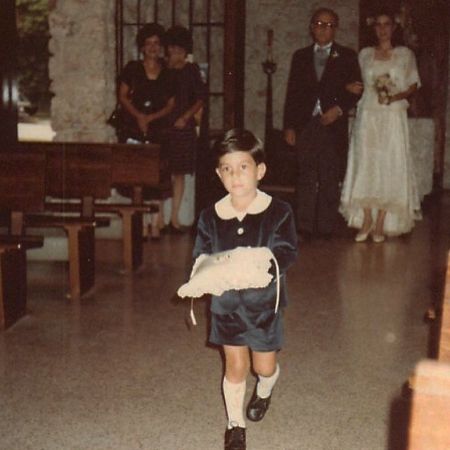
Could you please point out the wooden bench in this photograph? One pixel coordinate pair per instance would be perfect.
(22, 183)
(132, 169)
(83, 174)
(430, 384)
(430, 408)
(444, 336)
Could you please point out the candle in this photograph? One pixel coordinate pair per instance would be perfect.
(269, 45)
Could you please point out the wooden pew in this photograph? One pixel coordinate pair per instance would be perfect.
(430, 384)
(444, 337)
(430, 408)
(22, 184)
(133, 168)
(82, 173)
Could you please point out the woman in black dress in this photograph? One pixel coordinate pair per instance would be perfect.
(189, 99)
(147, 96)
(146, 90)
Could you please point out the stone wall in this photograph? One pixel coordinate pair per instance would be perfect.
(82, 69)
(290, 21)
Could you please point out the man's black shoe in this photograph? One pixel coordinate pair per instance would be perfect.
(257, 407)
(235, 439)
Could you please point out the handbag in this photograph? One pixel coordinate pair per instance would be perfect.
(116, 118)
(124, 125)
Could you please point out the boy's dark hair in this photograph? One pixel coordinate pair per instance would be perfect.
(149, 30)
(320, 11)
(239, 140)
(179, 36)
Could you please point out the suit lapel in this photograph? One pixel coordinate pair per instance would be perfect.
(311, 65)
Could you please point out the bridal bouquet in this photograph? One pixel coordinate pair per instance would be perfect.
(385, 88)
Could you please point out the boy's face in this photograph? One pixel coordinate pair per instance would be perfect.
(240, 174)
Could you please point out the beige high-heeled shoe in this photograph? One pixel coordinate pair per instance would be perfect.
(378, 238)
(363, 235)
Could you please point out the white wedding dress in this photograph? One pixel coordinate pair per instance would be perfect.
(380, 172)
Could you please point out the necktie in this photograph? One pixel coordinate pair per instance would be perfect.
(320, 60)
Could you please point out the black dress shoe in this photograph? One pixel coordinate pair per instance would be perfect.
(175, 230)
(165, 229)
(235, 439)
(257, 407)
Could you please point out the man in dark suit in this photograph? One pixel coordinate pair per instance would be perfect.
(316, 122)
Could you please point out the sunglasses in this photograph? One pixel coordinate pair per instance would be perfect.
(321, 24)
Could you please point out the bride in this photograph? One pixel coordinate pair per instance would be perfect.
(379, 194)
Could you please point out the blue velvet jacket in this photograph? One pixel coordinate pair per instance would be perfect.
(268, 222)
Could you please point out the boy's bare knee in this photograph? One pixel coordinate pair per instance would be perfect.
(237, 371)
(265, 371)
(264, 364)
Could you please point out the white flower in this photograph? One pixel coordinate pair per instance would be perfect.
(384, 86)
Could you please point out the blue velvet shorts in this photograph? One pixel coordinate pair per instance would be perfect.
(261, 331)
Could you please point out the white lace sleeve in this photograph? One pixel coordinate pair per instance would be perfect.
(411, 71)
(363, 56)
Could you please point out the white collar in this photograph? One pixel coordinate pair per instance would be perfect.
(325, 47)
(225, 210)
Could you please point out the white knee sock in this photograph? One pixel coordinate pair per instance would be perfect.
(266, 384)
(234, 394)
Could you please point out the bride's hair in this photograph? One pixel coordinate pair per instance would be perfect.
(397, 36)
(382, 12)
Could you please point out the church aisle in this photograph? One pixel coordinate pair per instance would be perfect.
(120, 370)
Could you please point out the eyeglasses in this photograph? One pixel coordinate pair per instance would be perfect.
(321, 24)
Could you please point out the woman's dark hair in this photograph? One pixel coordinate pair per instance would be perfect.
(149, 30)
(397, 36)
(384, 11)
(239, 140)
(320, 11)
(179, 36)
